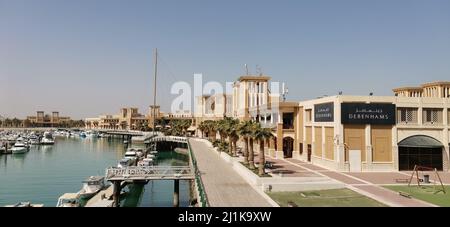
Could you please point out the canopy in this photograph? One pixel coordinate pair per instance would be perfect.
(420, 141)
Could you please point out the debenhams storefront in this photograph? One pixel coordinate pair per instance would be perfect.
(369, 133)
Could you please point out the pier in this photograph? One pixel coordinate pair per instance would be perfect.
(143, 174)
(223, 186)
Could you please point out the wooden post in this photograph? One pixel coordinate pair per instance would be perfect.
(176, 193)
(116, 193)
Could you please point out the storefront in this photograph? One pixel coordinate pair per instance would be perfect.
(420, 150)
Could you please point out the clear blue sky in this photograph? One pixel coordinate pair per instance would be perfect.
(88, 57)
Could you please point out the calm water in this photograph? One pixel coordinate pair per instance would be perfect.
(46, 172)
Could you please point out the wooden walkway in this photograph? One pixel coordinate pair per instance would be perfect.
(106, 193)
(224, 187)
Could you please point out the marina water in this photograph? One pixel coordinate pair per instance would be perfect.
(46, 172)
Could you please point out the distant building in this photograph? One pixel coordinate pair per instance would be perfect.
(47, 120)
(439, 89)
(128, 119)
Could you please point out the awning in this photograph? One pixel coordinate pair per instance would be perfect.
(420, 141)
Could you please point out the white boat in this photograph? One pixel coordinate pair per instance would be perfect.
(146, 162)
(34, 140)
(19, 147)
(152, 156)
(25, 204)
(68, 200)
(135, 152)
(131, 154)
(91, 134)
(153, 152)
(47, 139)
(125, 162)
(91, 186)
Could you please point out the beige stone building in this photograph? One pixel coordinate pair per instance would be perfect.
(47, 120)
(346, 133)
(128, 119)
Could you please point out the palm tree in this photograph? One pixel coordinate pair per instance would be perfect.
(244, 132)
(185, 124)
(8, 122)
(232, 132)
(251, 155)
(211, 129)
(262, 134)
(202, 127)
(222, 129)
(16, 122)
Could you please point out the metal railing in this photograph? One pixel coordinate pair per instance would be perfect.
(198, 181)
(177, 139)
(149, 172)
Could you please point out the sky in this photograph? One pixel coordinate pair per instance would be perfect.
(88, 57)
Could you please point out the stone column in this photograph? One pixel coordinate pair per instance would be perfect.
(369, 147)
(272, 147)
(279, 148)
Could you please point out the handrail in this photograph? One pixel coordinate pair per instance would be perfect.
(200, 187)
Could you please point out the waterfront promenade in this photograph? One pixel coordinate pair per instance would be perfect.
(224, 187)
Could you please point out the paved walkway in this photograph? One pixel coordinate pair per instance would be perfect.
(363, 187)
(224, 187)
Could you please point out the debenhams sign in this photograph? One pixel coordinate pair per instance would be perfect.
(362, 113)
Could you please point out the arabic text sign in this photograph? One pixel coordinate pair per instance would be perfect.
(324, 112)
(362, 113)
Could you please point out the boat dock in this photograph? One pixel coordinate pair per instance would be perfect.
(120, 177)
(102, 199)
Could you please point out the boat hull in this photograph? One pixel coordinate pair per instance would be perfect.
(18, 150)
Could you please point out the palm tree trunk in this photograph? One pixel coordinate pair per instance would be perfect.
(230, 150)
(246, 151)
(251, 156)
(234, 147)
(262, 158)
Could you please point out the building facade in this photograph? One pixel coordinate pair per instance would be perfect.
(47, 120)
(345, 133)
(128, 119)
(368, 133)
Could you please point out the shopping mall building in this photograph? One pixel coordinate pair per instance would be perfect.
(346, 133)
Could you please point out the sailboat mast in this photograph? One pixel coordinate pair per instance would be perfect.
(154, 89)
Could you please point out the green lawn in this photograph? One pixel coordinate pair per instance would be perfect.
(425, 193)
(324, 198)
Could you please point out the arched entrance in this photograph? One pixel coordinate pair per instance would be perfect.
(420, 150)
(288, 147)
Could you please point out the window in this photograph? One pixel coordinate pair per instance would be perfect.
(301, 148)
(407, 115)
(288, 120)
(308, 114)
(432, 116)
(448, 117)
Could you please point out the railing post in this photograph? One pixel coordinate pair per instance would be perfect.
(116, 193)
(176, 193)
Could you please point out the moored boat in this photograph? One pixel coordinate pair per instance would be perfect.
(91, 186)
(25, 204)
(19, 147)
(47, 139)
(146, 162)
(69, 200)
